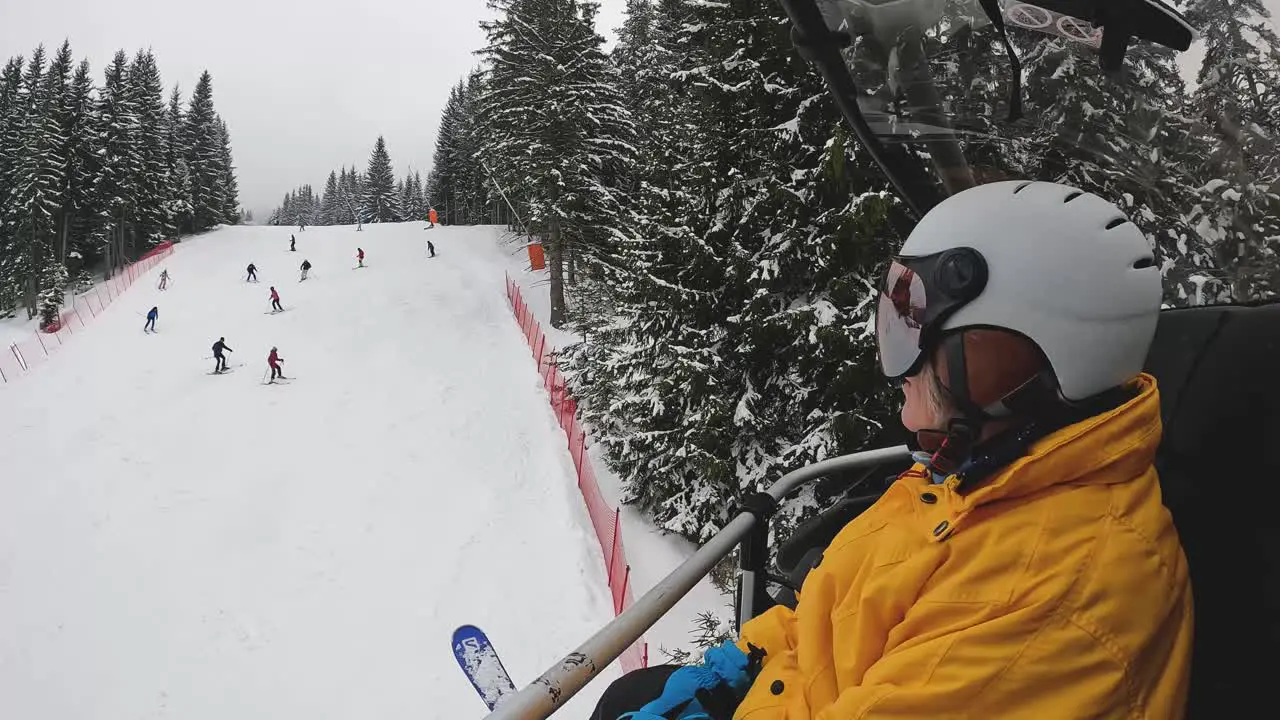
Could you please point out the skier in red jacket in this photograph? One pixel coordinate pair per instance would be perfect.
(275, 301)
(360, 256)
(274, 361)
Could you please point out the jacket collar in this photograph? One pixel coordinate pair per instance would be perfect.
(1113, 446)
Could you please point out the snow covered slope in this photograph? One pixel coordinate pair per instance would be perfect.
(175, 544)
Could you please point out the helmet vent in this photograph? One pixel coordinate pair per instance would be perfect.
(1144, 263)
(1116, 223)
(1072, 196)
(1023, 186)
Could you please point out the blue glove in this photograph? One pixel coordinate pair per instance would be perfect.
(722, 667)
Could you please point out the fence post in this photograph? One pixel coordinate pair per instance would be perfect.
(2, 377)
(77, 312)
(18, 356)
(582, 451)
(542, 343)
(617, 530)
(622, 596)
(41, 341)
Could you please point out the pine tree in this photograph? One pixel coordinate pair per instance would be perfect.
(84, 167)
(230, 190)
(61, 106)
(329, 207)
(35, 196)
(152, 183)
(419, 209)
(203, 144)
(378, 199)
(448, 182)
(736, 352)
(179, 208)
(402, 201)
(1237, 97)
(11, 113)
(53, 283)
(121, 165)
(556, 128)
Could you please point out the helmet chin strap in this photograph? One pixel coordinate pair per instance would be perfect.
(962, 432)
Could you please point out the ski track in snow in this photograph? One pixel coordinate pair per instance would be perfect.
(180, 545)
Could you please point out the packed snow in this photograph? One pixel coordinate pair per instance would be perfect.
(184, 545)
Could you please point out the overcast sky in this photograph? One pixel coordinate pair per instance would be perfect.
(305, 86)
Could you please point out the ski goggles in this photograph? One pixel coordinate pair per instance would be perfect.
(916, 295)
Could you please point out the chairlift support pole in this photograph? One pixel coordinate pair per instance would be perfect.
(523, 228)
(563, 680)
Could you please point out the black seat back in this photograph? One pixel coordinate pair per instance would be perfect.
(1219, 464)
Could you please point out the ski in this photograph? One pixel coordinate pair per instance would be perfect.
(482, 666)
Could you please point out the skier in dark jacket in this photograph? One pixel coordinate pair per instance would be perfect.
(306, 266)
(293, 243)
(220, 360)
(431, 249)
(253, 273)
(151, 320)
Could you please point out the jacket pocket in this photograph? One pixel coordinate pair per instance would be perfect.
(777, 693)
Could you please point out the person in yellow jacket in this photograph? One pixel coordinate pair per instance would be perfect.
(1025, 566)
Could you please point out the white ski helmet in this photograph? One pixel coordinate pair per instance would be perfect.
(1061, 267)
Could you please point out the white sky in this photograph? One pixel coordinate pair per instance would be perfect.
(304, 85)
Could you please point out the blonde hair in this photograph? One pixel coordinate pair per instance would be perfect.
(936, 395)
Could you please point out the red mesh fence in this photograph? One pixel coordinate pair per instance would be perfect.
(23, 356)
(604, 519)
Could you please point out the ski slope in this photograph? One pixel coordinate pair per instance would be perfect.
(175, 544)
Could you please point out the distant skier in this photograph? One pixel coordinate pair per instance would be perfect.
(275, 301)
(220, 360)
(293, 243)
(302, 227)
(253, 273)
(274, 361)
(306, 265)
(360, 257)
(431, 249)
(164, 279)
(151, 320)
(432, 217)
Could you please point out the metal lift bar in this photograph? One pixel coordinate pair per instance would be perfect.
(563, 680)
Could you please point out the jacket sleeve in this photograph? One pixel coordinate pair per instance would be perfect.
(991, 664)
(773, 631)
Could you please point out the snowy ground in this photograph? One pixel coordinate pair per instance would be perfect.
(180, 545)
(652, 553)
